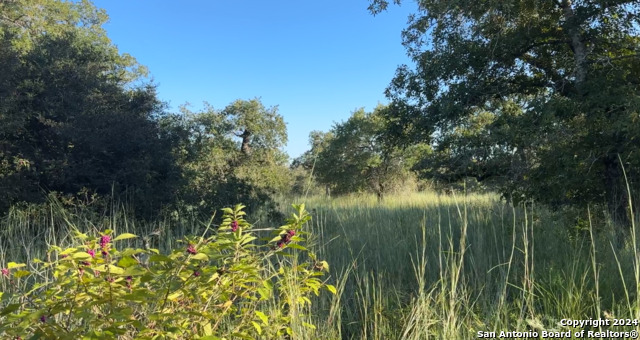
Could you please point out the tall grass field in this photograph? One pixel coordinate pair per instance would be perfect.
(419, 266)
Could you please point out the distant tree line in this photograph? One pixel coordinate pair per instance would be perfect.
(538, 100)
(78, 119)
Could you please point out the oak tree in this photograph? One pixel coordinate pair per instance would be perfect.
(540, 96)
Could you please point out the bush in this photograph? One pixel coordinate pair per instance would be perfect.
(226, 285)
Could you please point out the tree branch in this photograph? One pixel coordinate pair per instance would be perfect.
(622, 57)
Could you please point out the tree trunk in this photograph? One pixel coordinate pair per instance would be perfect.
(380, 192)
(575, 41)
(245, 148)
(615, 191)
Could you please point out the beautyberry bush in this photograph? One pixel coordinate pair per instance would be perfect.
(224, 286)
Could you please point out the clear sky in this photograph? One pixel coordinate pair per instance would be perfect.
(317, 60)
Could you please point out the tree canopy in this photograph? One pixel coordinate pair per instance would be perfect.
(71, 117)
(540, 96)
(229, 155)
(354, 157)
(257, 126)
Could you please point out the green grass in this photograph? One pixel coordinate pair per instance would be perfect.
(420, 266)
(429, 266)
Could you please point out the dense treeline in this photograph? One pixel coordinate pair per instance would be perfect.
(535, 99)
(69, 119)
(80, 120)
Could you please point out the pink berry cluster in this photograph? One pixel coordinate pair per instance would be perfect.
(104, 242)
(285, 238)
(191, 249)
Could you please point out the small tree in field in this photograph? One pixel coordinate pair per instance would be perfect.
(355, 156)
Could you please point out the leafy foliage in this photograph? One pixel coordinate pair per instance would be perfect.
(304, 167)
(78, 117)
(540, 96)
(216, 287)
(25, 22)
(218, 164)
(354, 156)
(258, 126)
(68, 121)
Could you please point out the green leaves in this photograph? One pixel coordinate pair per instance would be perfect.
(231, 154)
(13, 265)
(124, 236)
(111, 269)
(183, 294)
(532, 97)
(263, 317)
(356, 156)
(200, 256)
(81, 255)
(79, 98)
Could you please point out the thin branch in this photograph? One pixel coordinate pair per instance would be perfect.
(542, 43)
(622, 57)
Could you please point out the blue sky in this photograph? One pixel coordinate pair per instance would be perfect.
(317, 60)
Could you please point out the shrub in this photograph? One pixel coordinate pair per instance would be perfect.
(221, 286)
